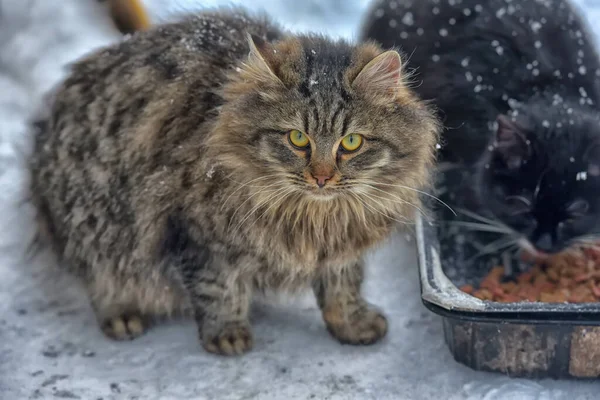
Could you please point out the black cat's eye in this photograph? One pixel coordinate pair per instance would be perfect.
(578, 208)
(518, 204)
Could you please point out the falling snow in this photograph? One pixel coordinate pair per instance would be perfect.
(210, 172)
(408, 19)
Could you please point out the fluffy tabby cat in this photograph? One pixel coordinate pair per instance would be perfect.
(517, 83)
(190, 166)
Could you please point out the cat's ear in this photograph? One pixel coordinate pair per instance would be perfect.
(258, 65)
(382, 76)
(511, 142)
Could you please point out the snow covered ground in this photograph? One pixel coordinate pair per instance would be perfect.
(50, 346)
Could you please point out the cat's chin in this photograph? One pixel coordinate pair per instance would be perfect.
(322, 195)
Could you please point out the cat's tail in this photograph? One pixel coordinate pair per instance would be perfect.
(129, 16)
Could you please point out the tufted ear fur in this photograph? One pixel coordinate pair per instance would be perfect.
(259, 65)
(382, 76)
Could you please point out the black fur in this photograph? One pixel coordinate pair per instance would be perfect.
(517, 85)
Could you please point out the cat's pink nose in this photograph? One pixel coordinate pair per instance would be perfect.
(322, 179)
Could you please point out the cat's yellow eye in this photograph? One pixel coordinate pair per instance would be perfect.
(298, 138)
(352, 142)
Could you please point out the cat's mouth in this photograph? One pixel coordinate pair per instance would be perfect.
(322, 194)
(530, 253)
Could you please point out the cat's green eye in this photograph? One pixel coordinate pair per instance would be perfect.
(298, 138)
(352, 142)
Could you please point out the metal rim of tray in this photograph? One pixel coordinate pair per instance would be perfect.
(442, 297)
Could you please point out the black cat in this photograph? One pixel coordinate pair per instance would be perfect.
(517, 85)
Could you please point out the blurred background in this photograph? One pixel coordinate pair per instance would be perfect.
(50, 346)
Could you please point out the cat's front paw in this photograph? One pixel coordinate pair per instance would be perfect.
(360, 326)
(124, 327)
(229, 339)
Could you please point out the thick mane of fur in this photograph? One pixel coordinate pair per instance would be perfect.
(168, 175)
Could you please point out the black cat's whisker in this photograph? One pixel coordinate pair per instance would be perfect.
(493, 247)
(484, 220)
(507, 259)
(589, 239)
(414, 190)
(474, 226)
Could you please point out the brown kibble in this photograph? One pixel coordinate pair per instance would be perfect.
(510, 298)
(510, 287)
(540, 280)
(483, 294)
(524, 277)
(497, 272)
(566, 282)
(553, 274)
(547, 297)
(468, 289)
(572, 277)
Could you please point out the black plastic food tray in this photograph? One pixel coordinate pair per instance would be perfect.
(534, 340)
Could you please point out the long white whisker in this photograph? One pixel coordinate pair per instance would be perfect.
(257, 206)
(378, 211)
(493, 247)
(486, 221)
(281, 197)
(423, 213)
(373, 209)
(414, 190)
(271, 194)
(242, 185)
(373, 196)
